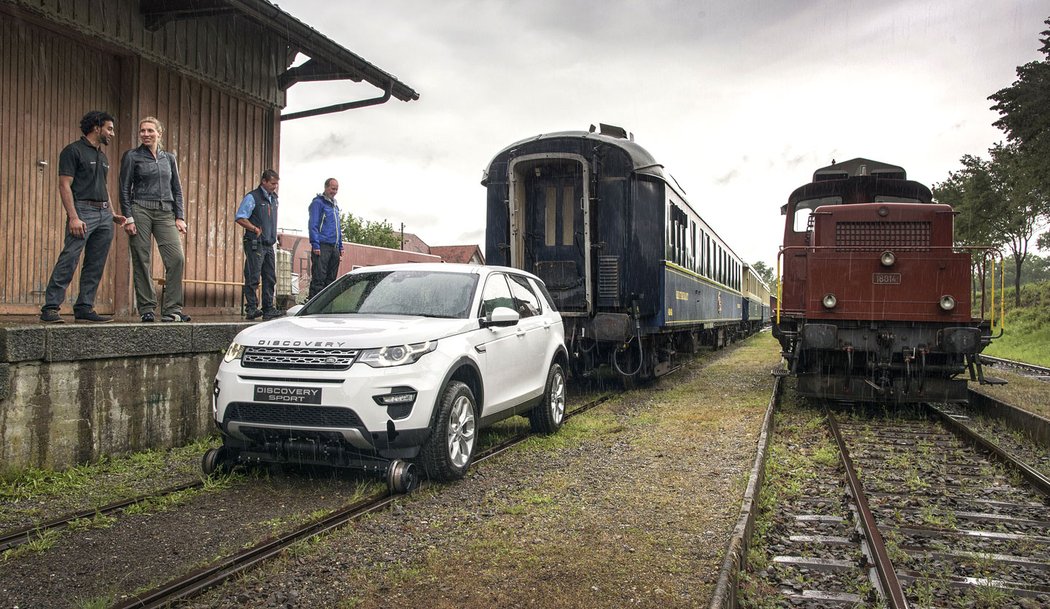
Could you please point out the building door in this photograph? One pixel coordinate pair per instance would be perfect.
(47, 82)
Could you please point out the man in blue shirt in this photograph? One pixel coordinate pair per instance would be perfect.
(326, 238)
(257, 215)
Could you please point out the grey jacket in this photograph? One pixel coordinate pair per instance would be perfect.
(150, 182)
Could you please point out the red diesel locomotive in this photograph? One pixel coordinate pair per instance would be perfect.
(875, 301)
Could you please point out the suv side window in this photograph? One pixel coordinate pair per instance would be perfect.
(540, 288)
(525, 301)
(496, 294)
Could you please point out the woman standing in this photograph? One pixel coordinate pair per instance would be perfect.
(151, 199)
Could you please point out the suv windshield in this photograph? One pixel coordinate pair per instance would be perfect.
(422, 293)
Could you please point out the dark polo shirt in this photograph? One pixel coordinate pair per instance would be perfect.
(88, 167)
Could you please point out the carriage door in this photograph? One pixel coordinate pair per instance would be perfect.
(552, 217)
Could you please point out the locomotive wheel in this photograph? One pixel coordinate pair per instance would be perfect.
(448, 451)
(549, 414)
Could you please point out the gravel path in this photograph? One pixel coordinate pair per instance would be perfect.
(630, 505)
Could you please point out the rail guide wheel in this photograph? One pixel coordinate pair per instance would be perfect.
(401, 477)
(215, 460)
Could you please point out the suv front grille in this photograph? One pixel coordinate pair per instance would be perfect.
(298, 358)
(296, 415)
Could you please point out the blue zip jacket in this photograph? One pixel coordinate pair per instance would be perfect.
(324, 223)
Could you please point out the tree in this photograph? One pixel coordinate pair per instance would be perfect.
(1024, 109)
(367, 232)
(766, 274)
(999, 203)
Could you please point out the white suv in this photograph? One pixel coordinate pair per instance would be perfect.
(392, 363)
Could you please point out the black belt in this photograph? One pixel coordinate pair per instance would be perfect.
(98, 204)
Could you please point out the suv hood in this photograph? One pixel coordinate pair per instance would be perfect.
(352, 331)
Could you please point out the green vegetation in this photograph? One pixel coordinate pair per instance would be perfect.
(368, 232)
(1027, 334)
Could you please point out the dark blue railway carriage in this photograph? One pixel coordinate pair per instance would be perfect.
(637, 274)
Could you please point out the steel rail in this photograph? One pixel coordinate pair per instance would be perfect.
(15, 538)
(974, 437)
(197, 582)
(894, 593)
(1009, 363)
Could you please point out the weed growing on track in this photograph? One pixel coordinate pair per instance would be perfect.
(38, 493)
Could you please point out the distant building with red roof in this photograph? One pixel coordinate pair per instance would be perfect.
(356, 255)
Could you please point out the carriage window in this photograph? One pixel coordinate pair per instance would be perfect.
(550, 219)
(567, 215)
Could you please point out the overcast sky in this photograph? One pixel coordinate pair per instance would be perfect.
(740, 100)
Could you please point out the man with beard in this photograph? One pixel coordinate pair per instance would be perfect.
(82, 169)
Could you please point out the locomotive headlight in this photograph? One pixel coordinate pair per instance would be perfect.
(829, 301)
(887, 258)
(947, 302)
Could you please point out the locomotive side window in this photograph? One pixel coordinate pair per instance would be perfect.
(804, 208)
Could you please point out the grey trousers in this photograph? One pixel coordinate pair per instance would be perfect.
(156, 224)
(95, 247)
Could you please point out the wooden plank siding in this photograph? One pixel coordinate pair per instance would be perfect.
(196, 129)
(211, 81)
(48, 83)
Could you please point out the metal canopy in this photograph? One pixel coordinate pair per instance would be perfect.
(328, 60)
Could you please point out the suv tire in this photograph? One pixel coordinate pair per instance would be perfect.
(448, 451)
(549, 414)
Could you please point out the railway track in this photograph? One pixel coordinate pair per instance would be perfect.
(1040, 372)
(14, 538)
(919, 510)
(210, 576)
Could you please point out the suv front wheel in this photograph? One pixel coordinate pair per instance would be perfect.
(448, 451)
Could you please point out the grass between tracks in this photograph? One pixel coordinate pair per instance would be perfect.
(40, 494)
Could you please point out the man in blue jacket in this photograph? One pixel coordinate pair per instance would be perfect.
(326, 238)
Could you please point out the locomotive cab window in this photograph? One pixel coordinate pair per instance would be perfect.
(804, 208)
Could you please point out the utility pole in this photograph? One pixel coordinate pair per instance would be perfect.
(402, 236)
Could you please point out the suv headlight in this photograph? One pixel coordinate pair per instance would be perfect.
(398, 355)
(234, 351)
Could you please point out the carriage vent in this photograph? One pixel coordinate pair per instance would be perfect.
(871, 236)
(609, 281)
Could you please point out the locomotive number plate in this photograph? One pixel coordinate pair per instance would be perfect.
(288, 395)
(886, 278)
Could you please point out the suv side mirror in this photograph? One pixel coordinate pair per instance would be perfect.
(500, 316)
(295, 309)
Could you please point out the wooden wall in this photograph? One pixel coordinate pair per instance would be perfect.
(47, 83)
(222, 135)
(222, 143)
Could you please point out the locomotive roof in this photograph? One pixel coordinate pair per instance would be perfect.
(859, 167)
(861, 181)
(641, 160)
